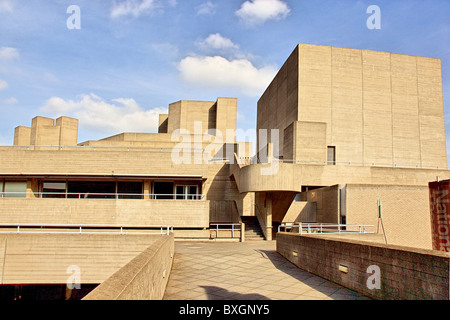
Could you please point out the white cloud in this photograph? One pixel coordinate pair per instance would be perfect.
(7, 53)
(206, 8)
(259, 11)
(217, 42)
(132, 7)
(119, 115)
(3, 84)
(6, 6)
(219, 72)
(136, 8)
(11, 100)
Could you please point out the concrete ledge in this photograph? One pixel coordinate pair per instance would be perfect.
(376, 270)
(143, 278)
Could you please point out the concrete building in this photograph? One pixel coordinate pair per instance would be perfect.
(351, 134)
(368, 127)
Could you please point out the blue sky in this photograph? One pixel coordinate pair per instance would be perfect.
(130, 59)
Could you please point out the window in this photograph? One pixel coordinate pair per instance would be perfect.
(331, 156)
(54, 190)
(92, 189)
(163, 190)
(15, 189)
(187, 192)
(129, 190)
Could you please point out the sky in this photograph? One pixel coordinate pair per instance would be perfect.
(117, 64)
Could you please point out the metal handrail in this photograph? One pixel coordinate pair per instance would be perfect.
(84, 195)
(60, 148)
(257, 160)
(232, 229)
(328, 228)
(164, 229)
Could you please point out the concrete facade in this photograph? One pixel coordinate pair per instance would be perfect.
(355, 127)
(373, 107)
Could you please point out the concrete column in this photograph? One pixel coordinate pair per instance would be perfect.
(268, 216)
(32, 188)
(147, 189)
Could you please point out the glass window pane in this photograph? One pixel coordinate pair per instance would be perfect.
(129, 190)
(192, 193)
(54, 189)
(331, 155)
(163, 190)
(55, 185)
(15, 189)
(180, 192)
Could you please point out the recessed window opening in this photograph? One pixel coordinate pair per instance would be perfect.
(163, 190)
(55, 189)
(129, 190)
(331, 156)
(15, 189)
(92, 189)
(187, 192)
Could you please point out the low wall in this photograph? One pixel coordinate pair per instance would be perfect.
(46, 258)
(376, 270)
(143, 278)
(175, 213)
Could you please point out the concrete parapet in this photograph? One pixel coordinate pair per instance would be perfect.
(376, 270)
(143, 278)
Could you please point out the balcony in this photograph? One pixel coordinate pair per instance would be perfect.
(106, 209)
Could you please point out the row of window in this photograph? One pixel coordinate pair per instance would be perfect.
(102, 190)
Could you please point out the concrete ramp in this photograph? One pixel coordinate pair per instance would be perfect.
(244, 271)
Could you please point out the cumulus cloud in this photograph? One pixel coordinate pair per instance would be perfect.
(206, 8)
(3, 84)
(136, 8)
(217, 42)
(7, 53)
(119, 115)
(219, 72)
(259, 11)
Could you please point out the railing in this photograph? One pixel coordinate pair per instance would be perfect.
(262, 222)
(102, 148)
(257, 160)
(86, 195)
(243, 161)
(81, 229)
(225, 227)
(325, 228)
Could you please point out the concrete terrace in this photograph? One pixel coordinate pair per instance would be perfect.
(251, 270)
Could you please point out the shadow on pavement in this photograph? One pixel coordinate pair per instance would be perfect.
(217, 293)
(317, 283)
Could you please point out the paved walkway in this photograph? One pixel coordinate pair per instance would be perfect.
(251, 270)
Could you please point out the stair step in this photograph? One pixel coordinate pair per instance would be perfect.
(253, 230)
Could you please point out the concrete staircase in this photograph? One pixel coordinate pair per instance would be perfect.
(253, 230)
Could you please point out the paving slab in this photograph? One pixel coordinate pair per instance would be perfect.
(251, 270)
